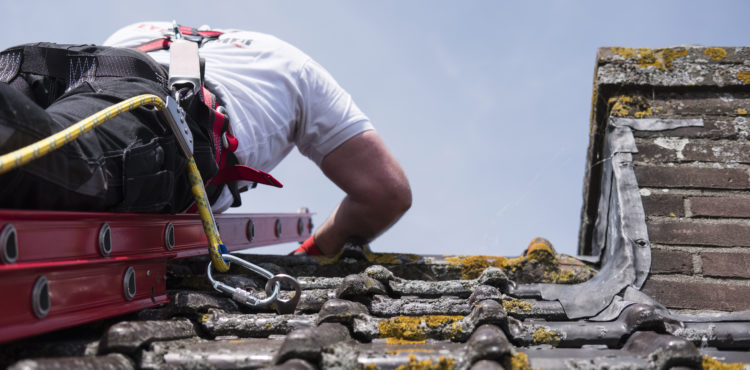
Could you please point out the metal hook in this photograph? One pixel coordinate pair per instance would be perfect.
(288, 306)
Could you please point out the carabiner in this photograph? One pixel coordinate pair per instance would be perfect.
(273, 286)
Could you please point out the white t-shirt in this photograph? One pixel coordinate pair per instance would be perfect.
(276, 96)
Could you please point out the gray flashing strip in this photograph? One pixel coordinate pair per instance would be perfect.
(654, 124)
(620, 237)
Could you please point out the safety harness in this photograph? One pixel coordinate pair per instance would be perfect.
(90, 63)
(186, 68)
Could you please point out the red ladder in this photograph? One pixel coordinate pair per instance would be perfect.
(62, 269)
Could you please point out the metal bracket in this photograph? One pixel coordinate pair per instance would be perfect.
(175, 117)
(184, 64)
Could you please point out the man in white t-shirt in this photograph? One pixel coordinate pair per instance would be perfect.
(277, 97)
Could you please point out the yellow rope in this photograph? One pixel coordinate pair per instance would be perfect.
(28, 153)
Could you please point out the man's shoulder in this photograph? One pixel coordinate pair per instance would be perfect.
(137, 33)
(153, 30)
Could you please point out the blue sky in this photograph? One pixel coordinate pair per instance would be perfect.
(485, 103)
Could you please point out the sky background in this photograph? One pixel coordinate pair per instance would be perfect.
(485, 103)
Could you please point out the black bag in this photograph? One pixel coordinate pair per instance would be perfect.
(131, 163)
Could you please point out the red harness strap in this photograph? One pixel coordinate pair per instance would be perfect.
(158, 44)
(225, 143)
(163, 42)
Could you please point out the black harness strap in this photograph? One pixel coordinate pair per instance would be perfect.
(73, 66)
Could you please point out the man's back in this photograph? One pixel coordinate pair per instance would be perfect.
(276, 96)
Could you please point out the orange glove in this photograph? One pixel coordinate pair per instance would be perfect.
(308, 247)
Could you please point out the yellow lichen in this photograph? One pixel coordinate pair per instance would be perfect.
(744, 76)
(544, 336)
(594, 100)
(645, 113)
(566, 276)
(412, 328)
(518, 361)
(710, 363)
(443, 363)
(659, 58)
(411, 350)
(539, 255)
(541, 250)
(647, 58)
(403, 341)
(626, 53)
(742, 111)
(516, 305)
(378, 258)
(370, 367)
(514, 264)
(454, 330)
(206, 317)
(670, 54)
(542, 245)
(620, 105)
(715, 53)
(560, 277)
(389, 258)
(472, 266)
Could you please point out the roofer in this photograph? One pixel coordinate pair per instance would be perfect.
(272, 95)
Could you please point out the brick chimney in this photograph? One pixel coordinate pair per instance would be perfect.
(694, 181)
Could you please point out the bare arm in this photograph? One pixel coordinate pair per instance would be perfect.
(377, 192)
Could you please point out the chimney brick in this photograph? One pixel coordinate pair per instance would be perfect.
(691, 294)
(692, 177)
(722, 264)
(663, 205)
(671, 261)
(720, 206)
(696, 232)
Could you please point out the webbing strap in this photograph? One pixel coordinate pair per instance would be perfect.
(185, 30)
(74, 66)
(220, 127)
(154, 45)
